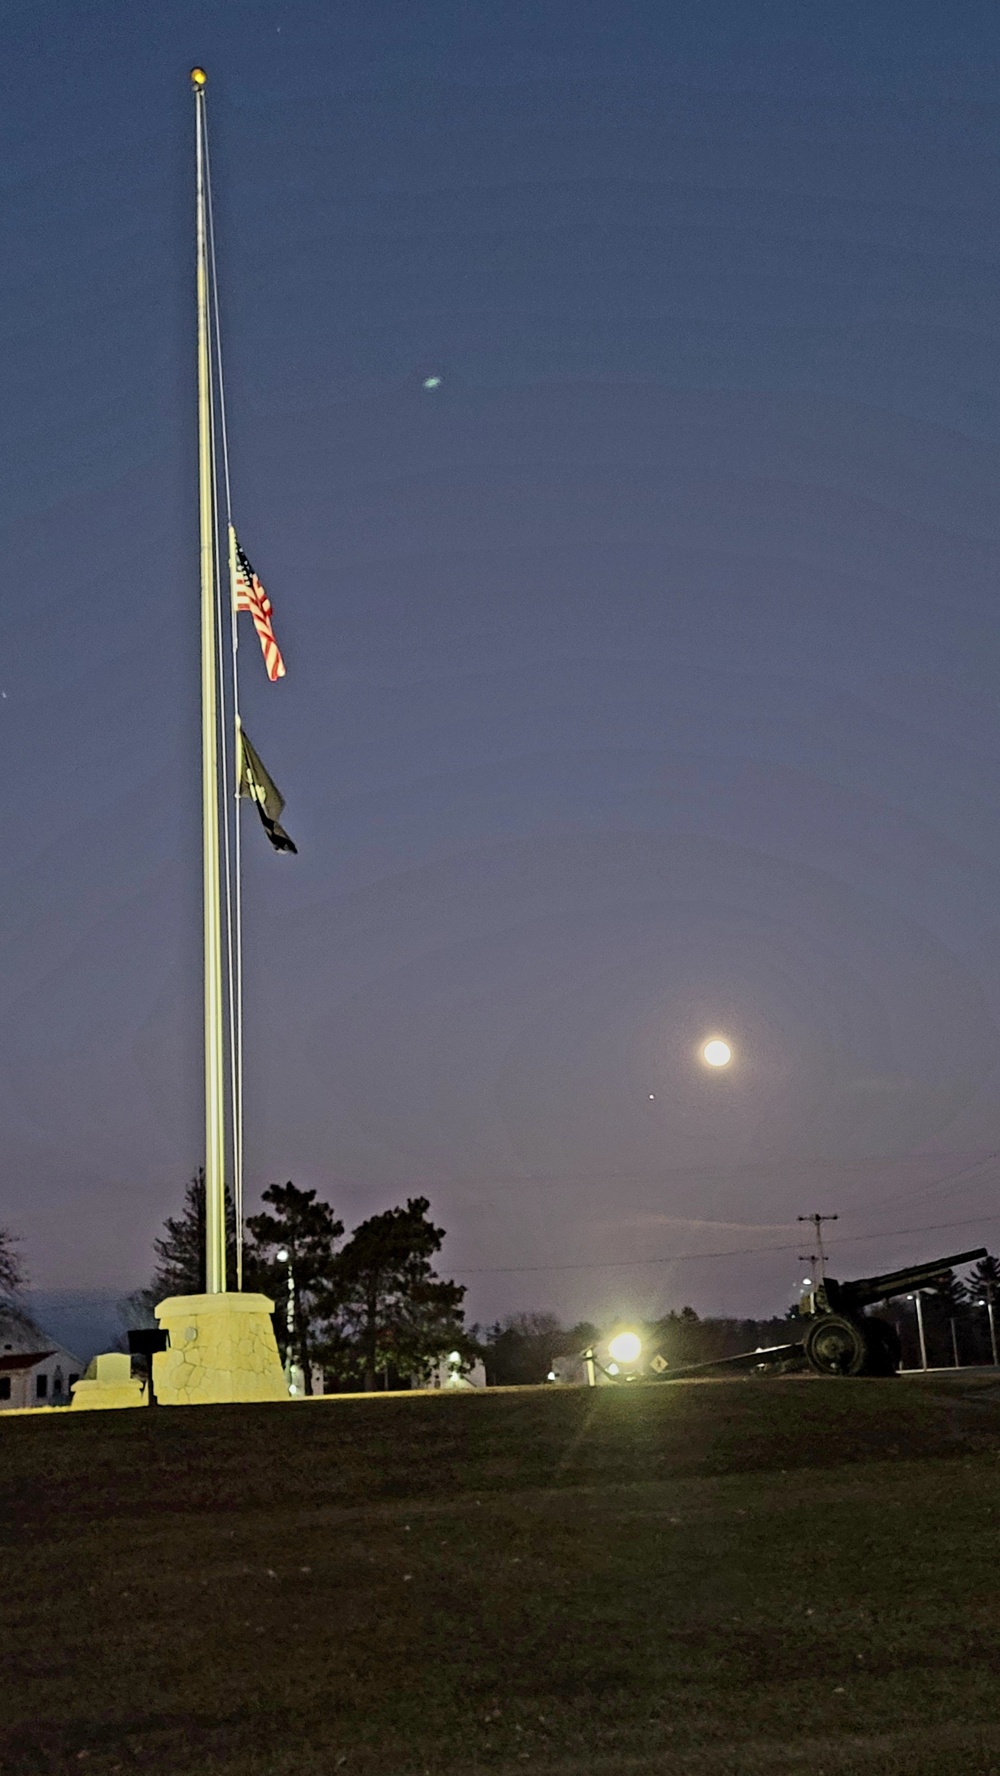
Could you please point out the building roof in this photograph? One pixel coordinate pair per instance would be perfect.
(24, 1360)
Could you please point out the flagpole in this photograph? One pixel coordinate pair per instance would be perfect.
(232, 852)
(237, 1034)
(220, 1343)
(215, 1130)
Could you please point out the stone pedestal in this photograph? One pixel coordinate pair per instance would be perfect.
(107, 1384)
(222, 1348)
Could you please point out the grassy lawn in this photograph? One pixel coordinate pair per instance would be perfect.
(741, 1576)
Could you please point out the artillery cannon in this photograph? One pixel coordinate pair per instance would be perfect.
(841, 1339)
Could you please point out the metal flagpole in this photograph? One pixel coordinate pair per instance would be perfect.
(220, 1344)
(233, 857)
(215, 1130)
(237, 1034)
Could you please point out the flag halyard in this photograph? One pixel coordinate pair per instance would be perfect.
(249, 595)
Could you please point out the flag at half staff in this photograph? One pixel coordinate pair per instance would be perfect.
(249, 595)
(258, 787)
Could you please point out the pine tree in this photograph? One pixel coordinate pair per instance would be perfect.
(180, 1248)
(389, 1308)
(983, 1277)
(945, 1309)
(309, 1230)
(982, 1288)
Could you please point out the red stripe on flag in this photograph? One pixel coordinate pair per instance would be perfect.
(250, 596)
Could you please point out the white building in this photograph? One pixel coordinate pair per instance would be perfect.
(34, 1370)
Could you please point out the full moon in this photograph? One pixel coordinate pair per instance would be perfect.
(717, 1053)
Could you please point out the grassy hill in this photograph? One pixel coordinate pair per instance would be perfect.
(741, 1576)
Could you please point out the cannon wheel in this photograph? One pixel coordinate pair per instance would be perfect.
(835, 1345)
(884, 1349)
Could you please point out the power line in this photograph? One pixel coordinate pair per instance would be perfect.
(734, 1252)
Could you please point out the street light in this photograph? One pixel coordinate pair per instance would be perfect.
(284, 1256)
(625, 1347)
(916, 1297)
(988, 1304)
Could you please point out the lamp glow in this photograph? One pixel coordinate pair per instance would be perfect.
(625, 1347)
(717, 1053)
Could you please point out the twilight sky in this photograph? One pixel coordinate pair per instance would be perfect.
(643, 678)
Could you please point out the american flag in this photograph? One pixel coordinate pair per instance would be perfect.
(250, 596)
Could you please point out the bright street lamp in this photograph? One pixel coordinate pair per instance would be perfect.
(988, 1304)
(625, 1347)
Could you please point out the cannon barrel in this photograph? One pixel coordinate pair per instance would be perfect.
(863, 1291)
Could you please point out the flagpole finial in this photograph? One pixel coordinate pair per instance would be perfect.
(199, 78)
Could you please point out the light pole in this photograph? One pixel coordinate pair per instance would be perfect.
(284, 1256)
(920, 1327)
(988, 1304)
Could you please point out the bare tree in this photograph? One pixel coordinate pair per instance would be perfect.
(14, 1315)
(12, 1273)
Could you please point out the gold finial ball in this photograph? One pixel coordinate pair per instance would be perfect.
(198, 77)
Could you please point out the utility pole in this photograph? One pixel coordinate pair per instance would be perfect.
(817, 1221)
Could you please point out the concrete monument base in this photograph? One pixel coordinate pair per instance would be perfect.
(222, 1348)
(107, 1384)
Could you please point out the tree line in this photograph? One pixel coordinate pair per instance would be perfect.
(523, 1348)
(957, 1315)
(368, 1310)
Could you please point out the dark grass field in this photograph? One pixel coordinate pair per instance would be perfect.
(743, 1576)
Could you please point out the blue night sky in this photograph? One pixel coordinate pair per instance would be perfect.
(643, 676)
